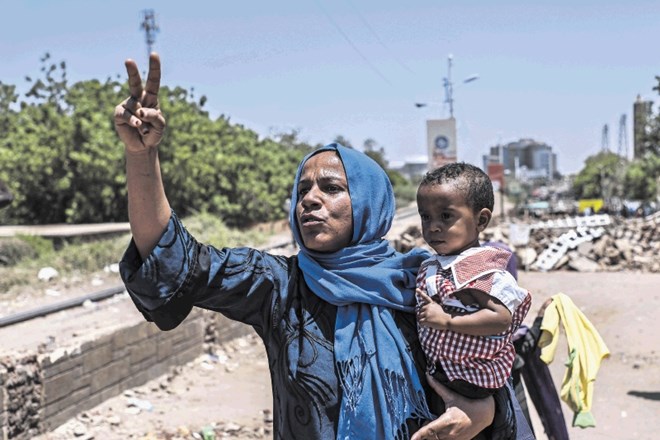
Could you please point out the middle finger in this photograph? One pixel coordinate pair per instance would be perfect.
(153, 82)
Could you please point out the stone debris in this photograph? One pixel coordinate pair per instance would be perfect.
(585, 244)
(561, 245)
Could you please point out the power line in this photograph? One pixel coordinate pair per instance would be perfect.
(355, 48)
(377, 37)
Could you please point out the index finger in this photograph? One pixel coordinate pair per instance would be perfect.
(424, 297)
(134, 80)
(153, 82)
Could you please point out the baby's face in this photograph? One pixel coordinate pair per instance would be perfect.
(449, 225)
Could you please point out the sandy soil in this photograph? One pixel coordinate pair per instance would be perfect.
(231, 391)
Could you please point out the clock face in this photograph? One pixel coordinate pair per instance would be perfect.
(441, 142)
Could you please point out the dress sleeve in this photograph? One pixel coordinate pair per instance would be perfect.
(181, 273)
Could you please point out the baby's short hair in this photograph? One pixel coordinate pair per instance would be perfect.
(471, 180)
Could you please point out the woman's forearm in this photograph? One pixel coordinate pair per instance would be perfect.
(148, 208)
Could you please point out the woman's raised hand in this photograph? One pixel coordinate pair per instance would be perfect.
(138, 120)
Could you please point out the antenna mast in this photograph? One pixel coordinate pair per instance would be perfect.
(150, 28)
(605, 141)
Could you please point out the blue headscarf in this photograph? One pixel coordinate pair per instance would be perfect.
(367, 281)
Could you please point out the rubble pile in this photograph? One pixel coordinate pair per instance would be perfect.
(620, 245)
(623, 245)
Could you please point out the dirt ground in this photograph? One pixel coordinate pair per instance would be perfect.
(230, 392)
(227, 394)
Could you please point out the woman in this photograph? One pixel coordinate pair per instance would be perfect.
(336, 319)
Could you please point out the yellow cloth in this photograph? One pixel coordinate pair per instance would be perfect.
(586, 350)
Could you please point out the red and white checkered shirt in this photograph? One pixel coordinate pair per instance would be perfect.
(484, 361)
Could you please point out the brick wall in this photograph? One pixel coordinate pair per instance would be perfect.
(39, 392)
(20, 397)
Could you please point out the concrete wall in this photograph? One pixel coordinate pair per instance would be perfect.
(40, 391)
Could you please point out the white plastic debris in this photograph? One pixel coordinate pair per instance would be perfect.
(47, 274)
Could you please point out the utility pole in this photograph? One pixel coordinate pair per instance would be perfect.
(150, 28)
(449, 87)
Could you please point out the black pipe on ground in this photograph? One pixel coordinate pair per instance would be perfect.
(62, 305)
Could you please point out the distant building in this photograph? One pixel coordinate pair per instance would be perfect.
(413, 168)
(524, 160)
(642, 111)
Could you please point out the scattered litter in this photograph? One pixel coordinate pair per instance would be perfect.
(141, 404)
(97, 281)
(113, 420)
(133, 410)
(47, 274)
(111, 268)
(206, 366)
(208, 433)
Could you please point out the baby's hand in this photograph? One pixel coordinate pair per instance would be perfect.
(431, 314)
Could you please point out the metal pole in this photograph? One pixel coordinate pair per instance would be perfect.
(150, 28)
(449, 87)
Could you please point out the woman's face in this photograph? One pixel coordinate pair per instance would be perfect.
(323, 211)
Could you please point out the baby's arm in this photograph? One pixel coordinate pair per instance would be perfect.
(491, 319)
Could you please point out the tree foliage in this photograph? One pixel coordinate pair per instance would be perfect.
(599, 172)
(64, 163)
(641, 177)
(606, 174)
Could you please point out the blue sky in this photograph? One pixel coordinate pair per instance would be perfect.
(555, 71)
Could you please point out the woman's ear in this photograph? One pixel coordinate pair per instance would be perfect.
(484, 218)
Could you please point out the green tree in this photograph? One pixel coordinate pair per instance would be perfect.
(95, 158)
(8, 97)
(641, 178)
(340, 139)
(651, 141)
(64, 163)
(224, 169)
(597, 177)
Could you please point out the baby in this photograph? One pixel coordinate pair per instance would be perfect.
(468, 305)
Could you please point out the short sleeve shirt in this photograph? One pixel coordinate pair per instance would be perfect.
(484, 361)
